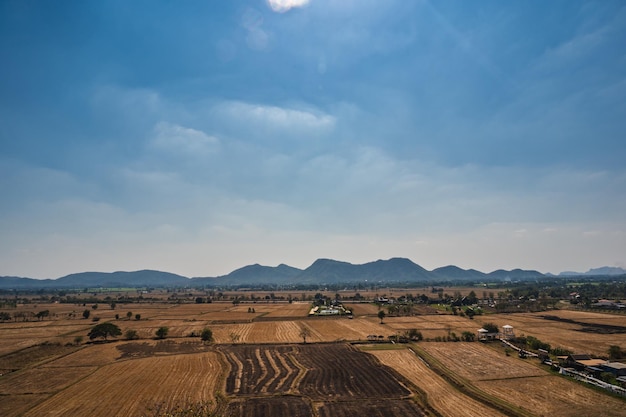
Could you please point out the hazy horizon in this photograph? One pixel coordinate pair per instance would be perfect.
(201, 137)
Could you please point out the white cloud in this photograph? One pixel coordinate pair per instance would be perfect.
(175, 138)
(274, 117)
(282, 6)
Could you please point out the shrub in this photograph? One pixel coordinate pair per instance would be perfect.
(206, 335)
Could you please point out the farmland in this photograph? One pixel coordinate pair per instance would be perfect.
(258, 364)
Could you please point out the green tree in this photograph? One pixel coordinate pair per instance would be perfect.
(381, 316)
(86, 314)
(206, 335)
(161, 332)
(468, 336)
(615, 352)
(137, 316)
(78, 340)
(131, 334)
(471, 298)
(491, 328)
(414, 335)
(42, 314)
(129, 315)
(104, 330)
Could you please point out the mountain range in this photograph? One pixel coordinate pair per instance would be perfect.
(321, 272)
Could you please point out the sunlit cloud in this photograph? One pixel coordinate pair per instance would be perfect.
(282, 6)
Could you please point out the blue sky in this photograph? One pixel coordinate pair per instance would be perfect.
(202, 136)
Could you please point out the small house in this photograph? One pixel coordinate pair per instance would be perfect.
(484, 335)
(583, 362)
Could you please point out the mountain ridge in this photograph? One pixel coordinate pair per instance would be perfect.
(322, 271)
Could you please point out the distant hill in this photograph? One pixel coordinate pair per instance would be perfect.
(141, 278)
(602, 271)
(322, 271)
(452, 272)
(144, 278)
(515, 274)
(19, 282)
(253, 274)
(330, 271)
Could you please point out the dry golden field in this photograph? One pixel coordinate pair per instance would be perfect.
(49, 367)
(572, 336)
(443, 397)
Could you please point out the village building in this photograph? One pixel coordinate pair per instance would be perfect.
(584, 362)
(484, 335)
(616, 368)
(507, 332)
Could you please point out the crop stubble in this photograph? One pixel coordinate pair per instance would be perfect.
(127, 387)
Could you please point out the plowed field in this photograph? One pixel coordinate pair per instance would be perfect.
(340, 379)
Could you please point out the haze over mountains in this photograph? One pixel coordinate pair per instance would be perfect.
(322, 271)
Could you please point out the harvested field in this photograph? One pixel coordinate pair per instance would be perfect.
(16, 405)
(326, 329)
(441, 395)
(476, 361)
(22, 335)
(146, 329)
(293, 310)
(41, 380)
(359, 328)
(554, 396)
(563, 333)
(261, 377)
(161, 347)
(32, 356)
(363, 309)
(259, 332)
(128, 387)
(431, 326)
(97, 354)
